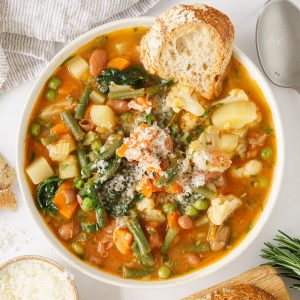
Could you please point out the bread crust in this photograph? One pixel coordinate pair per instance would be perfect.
(180, 19)
(239, 292)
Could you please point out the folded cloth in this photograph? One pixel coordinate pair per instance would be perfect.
(31, 31)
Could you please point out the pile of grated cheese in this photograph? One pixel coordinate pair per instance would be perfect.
(35, 280)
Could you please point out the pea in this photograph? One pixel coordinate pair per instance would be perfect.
(54, 83)
(78, 183)
(263, 182)
(88, 203)
(201, 204)
(96, 145)
(266, 153)
(35, 129)
(168, 207)
(191, 211)
(76, 247)
(124, 117)
(164, 272)
(51, 94)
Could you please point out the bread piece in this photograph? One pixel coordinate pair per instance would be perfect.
(7, 176)
(191, 44)
(239, 292)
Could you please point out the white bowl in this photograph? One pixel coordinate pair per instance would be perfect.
(107, 277)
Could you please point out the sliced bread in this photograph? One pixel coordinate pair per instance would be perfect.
(192, 44)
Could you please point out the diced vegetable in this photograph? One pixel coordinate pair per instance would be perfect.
(139, 236)
(54, 109)
(97, 98)
(173, 217)
(123, 240)
(83, 102)
(145, 187)
(73, 125)
(154, 215)
(103, 116)
(191, 211)
(49, 139)
(59, 152)
(234, 115)
(77, 66)
(68, 168)
(60, 128)
(96, 145)
(205, 192)
(78, 183)
(89, 137)
(169, 238)
(228, 142)
(39, 170)
(168, 208)
(68, 210)
(119, 63)
(196, 248)
(201, 221)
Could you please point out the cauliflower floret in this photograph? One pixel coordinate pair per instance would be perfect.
(234, 96)
(145, 204)
(182, 97)
(251, 168)
(222, 208)
(188, 121)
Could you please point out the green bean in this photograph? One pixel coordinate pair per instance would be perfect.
(89, 227)
(135, 273)
(198, 248)
(169, 238)
(35, 129)
(206, 193)
(139, 236)
(101, 216)
(146, 259)
(49, 139)
(108, 150)
(170, 174)
(78, 183)
(73, 125)
(96, 145)
(54, 83)
(83, 102)
(121, 95)
(82, 157)
(158, 88)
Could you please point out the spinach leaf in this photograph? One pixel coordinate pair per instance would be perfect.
(46, 192)
(135, 76)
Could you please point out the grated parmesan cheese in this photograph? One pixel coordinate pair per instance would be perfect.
(35, 280)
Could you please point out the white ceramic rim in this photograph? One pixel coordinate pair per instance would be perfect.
(107, 277)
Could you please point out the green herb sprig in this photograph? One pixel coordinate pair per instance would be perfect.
(285, 256)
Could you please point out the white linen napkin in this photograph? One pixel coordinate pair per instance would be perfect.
(32, 30)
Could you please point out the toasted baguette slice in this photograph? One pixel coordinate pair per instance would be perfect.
(238, 292)
(191, 44)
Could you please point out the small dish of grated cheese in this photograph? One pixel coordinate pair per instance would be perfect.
(35, 278)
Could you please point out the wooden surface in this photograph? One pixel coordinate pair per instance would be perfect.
(264, 277)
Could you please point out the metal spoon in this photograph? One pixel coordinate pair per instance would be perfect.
(278, 42)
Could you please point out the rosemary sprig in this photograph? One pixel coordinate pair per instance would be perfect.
(285, 256)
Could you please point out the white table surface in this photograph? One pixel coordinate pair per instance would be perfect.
(286, 215)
